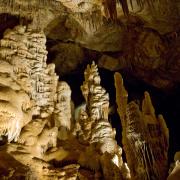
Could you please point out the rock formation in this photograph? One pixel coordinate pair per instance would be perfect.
(145, 136)
(97, 103)
(29, 95)
(15, 84)
(145, 53)
(36, 114)
(148, 31)
(62, 113)
(26, 51)
(95, 131)
(46, 141)
(68, 56)
(29, 137)
(174, 172)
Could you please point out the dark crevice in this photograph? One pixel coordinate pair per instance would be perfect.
(10, 21)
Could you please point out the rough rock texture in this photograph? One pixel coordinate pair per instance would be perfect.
(34, 10)
(140, 37)
(175, 174)
(97, 102)
(146, 38)
(36, 112)
(25, 50)
(16, 106)
(94, 130)
(146, 41)
(145, 136)
(174, 171)
(67, 57)
(29, 95)
(145, 44)
(148, 56)
(62, 113)
(29, 137)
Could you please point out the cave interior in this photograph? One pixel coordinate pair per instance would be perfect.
(76, 43)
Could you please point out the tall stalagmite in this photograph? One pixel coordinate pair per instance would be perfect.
(145, 136)
(96, 132)
(28, 99)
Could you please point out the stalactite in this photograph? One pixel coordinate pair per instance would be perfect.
(110, 6)
(124, 6)
(32, 8)
(110, 9)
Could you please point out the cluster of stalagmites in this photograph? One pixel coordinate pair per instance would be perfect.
(145, 136)
(95, 131)
(36, 116)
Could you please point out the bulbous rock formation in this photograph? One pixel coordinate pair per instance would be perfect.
(28, 96)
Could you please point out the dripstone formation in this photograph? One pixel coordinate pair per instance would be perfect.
(41, 138)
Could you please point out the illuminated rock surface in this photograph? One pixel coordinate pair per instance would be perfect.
(55, 124)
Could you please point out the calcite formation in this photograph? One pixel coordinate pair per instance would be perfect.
(62, 112)
(15, 112)
(175, 174)
(97, 102)
(145, 136)
(25, 50)
(30, 93)
(15, 85)
(96, 132)
(29, 79)
(46, 141)
(174, 171)
(29, 137)
(36, 113)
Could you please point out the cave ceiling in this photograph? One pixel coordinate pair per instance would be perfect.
(138, 37)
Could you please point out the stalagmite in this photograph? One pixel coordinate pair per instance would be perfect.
(145, 137)
(121, 97)
(30, 96)
(36, 118)
(174, 172)
(97, 104)
(53, 128)
(96, 132)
